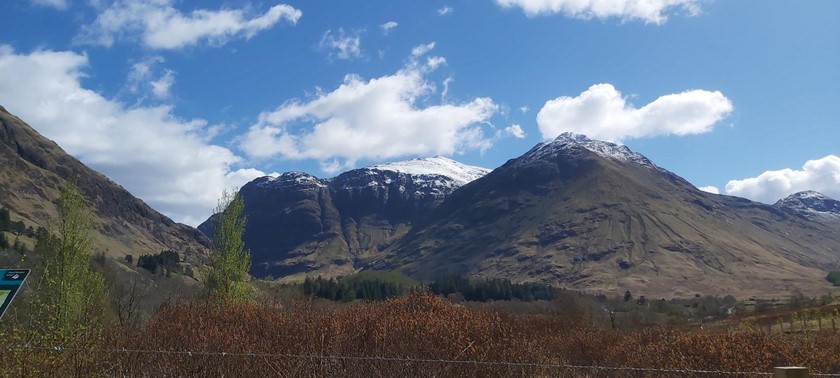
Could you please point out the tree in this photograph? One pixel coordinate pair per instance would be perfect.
(70, 293)
(229, 261)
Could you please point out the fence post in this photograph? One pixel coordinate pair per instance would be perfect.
(790, 372)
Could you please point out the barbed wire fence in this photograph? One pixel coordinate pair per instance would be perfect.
(512, 367)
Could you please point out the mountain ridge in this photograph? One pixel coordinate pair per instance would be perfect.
(33, 168)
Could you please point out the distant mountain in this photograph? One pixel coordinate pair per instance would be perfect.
(812, 204)
(596, 216)
(32, 171)
(299, 224)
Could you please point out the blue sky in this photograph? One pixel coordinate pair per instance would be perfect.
(177, 100)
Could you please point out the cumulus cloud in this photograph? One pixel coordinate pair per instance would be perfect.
(380, 118)
(515, 131)
(344, 45)
(822, 175)
(649, 11)
(57, 4)
(709, 189)
(158, 25)
(388, 26)
(524, 109)
(446, 10)
(601, 112)
(165, 160)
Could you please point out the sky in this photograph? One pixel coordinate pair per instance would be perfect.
(178, 100)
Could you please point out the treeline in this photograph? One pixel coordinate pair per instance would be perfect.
(379, 286)
(17, 228)
(490, 289)
(368, 288)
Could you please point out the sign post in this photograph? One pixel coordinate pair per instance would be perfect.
(10, 282)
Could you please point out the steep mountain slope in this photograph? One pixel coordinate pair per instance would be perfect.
(596, 216)
(299, 224)
(32, 171)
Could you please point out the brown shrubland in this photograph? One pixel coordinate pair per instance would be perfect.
(414, 335)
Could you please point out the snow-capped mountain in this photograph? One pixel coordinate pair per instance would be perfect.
(569, 143)
(811, 203)
(459, 174)
(298, 223)
(299, 180)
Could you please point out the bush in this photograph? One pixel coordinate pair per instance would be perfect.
(834, 278)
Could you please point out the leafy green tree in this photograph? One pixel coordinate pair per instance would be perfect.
(230, 261)
(71, 294)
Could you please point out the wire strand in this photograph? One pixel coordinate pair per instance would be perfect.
(60, 349)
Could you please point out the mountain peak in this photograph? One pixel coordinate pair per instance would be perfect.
(438, 166)
(609, 150)
(811, 202)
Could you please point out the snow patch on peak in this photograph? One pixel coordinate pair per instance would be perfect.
(809, 194)
(608, 150)
(291, 178)
(812, 203)
(460, 173)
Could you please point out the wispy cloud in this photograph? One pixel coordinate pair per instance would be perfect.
(388, 26)
(649, 11)
(159, 25)
(342, 45)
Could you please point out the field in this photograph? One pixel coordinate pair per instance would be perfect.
(418, 334)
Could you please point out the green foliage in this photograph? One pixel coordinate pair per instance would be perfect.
(373, 286)
(483, 290)
(167, 260)
(230, 261)
(5, 220)
(4, 242)
(833, 277)
(70, 294)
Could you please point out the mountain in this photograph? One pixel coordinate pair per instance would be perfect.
(813, 205)
(299, 224)
(595, 216)
(32, 171)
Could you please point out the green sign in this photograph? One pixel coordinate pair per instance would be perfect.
(10, 282)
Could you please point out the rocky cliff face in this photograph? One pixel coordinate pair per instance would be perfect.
(299, 224)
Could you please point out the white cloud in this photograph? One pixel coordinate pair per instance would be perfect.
(388, 26)
(709, 189)
(161, 86)
(160, 158)
(446, 83)
(601, 112)
(524, 109)
(57, 4)
(375, 119)
(144, 74)
(822, 175)
(346, 46)
(159, 25)
(446, 10)
(649, 11)
(422, 49)
(515, 131)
